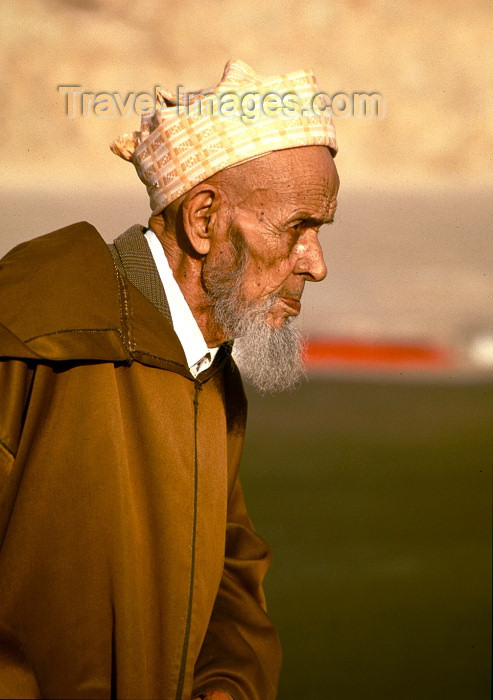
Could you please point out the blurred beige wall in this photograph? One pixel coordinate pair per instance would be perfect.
(431, 61)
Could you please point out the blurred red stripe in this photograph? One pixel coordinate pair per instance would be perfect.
(321, 353)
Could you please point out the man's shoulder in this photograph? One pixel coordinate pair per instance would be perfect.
(63, 282)
(63, 299)
(69, 242)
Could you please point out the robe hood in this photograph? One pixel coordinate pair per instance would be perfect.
(63, 300)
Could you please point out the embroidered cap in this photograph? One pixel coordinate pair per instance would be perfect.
(190, 136)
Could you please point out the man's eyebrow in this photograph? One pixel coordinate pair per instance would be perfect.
(310, 220)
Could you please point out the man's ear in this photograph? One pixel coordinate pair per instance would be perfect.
(199, 212)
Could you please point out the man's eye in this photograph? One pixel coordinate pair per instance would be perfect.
(298, 226)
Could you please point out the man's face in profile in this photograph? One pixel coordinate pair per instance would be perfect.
(257, 280)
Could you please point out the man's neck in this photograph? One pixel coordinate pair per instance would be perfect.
(187, 272)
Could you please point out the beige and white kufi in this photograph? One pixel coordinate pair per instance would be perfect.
(189, 137)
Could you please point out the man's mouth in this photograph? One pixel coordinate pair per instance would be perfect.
(293, 304)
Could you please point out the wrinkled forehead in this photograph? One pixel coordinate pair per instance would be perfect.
(303, 177)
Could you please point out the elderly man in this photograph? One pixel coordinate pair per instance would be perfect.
(128, 565)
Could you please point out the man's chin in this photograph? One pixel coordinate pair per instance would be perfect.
(278, 318)
(277, 322)
(283, 309)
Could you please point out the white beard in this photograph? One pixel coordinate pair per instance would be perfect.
(271, 358)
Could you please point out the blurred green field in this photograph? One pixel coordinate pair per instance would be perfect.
(376, 499)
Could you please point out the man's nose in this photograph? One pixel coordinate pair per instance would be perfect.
(311, 263)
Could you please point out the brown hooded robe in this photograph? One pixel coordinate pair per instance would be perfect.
(128, 565)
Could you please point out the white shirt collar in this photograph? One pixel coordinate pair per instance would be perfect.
(199, 356)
